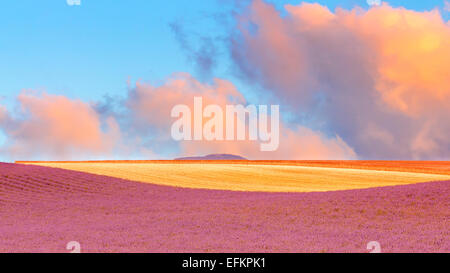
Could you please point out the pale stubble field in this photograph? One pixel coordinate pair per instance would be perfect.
(241, 176)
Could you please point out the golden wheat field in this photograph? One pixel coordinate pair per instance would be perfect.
(240, 176)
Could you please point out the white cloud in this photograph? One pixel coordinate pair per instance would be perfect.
(447, 6)
(374, 2)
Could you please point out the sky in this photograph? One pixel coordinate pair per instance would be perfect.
(97, 80)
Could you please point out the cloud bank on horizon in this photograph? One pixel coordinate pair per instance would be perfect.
(362, 83)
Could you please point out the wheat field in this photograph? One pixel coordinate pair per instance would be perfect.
(249, 177)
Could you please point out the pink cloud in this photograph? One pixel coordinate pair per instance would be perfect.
(59, 128)
(56, 127)
(3, 114)
(447, 6)
(382, 74)
(295, 144)
(152, 105)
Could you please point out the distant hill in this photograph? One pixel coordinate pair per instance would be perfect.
(213, 157)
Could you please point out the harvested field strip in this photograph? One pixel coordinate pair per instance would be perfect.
(245, 177)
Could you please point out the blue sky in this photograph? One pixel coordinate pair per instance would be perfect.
(90, 50)
(97, 48)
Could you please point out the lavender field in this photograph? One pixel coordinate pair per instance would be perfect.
(42, 209)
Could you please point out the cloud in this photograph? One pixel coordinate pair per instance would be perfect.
(378, 78)
(56, 127)
(203, 56)
(373, 2)
(299, 143)
(3, 114)
(447, 6)
(150, 108)
(358, 83)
